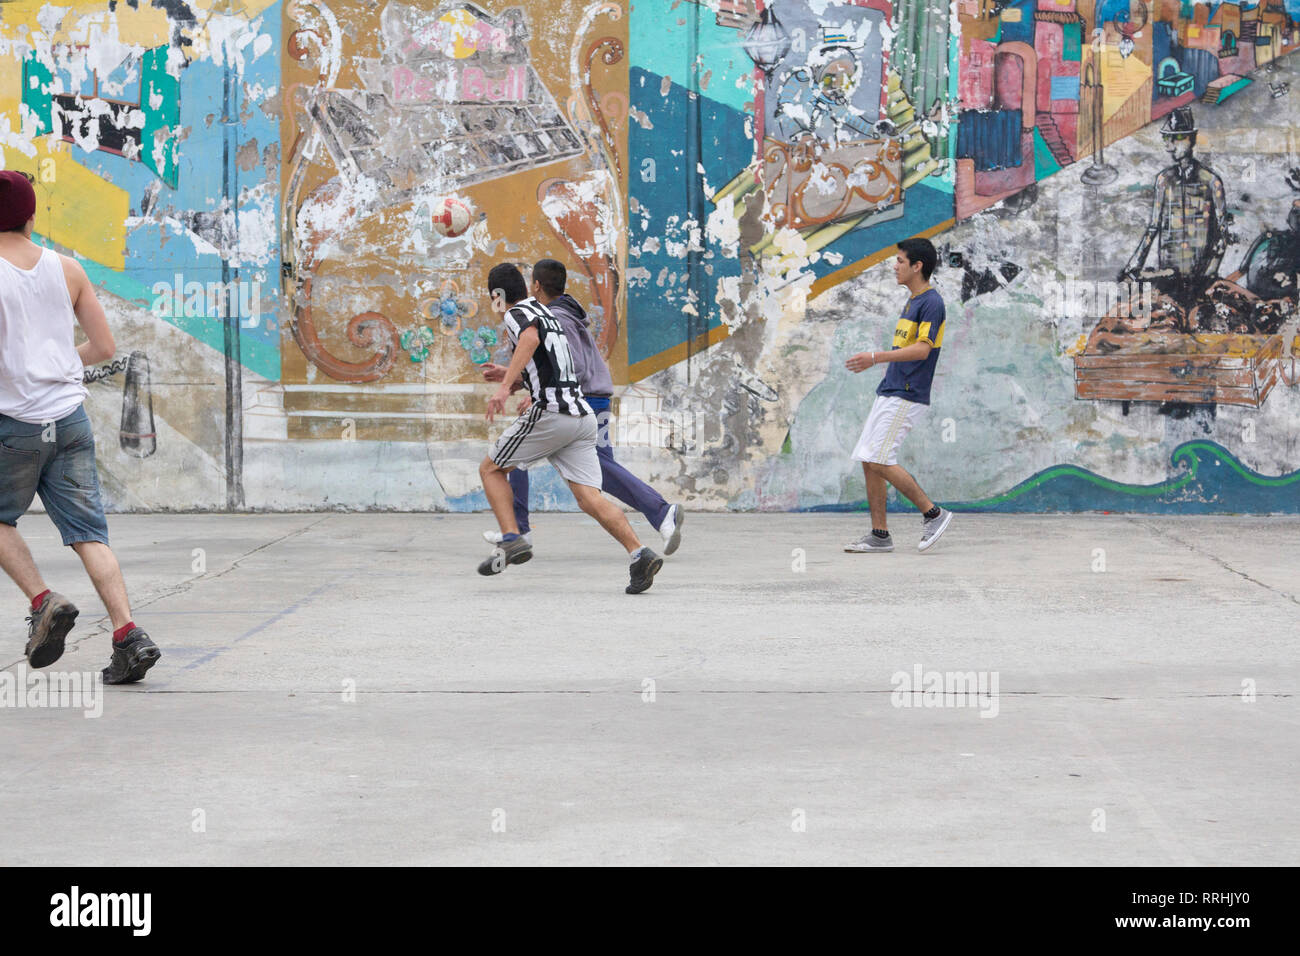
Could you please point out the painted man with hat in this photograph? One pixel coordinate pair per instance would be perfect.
(817, 99)
(1189, 218)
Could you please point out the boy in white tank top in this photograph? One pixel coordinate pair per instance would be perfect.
(47, 445)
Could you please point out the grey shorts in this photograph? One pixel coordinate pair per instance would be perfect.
(57, 461)
(569, 441)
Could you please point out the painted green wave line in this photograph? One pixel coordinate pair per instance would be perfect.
(1075, 471)
(1181, 452)
(1254, 478)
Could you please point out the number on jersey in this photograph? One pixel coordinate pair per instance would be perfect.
(558, 346)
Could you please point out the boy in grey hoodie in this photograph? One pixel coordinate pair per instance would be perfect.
(548, 282)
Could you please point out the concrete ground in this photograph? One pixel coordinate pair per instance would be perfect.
(745, 710)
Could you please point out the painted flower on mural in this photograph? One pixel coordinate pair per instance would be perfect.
(417, 342)
(479, 343)
(449, 310)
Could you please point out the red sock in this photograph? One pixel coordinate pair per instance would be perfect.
(39, 600)
(122, 632)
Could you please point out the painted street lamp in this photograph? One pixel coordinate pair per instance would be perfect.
(1131, 26)
(766, 41)
(1099, 173)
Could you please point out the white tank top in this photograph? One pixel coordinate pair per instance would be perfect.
(40, 370)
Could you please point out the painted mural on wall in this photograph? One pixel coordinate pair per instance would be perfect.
(290, 208)
(425, 143)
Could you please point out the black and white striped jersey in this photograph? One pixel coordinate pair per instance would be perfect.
(549, 375)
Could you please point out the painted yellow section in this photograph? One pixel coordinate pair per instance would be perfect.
(1122, 77)
(11, 81)
(146, 26)
(100, 237)
(76, 209)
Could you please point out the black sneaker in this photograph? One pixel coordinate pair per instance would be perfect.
(643, 571)
(507, 552)
(46, 629)
(132, 656)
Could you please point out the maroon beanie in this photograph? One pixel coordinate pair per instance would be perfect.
(17, 200)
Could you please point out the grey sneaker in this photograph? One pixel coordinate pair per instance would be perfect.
(869, 544)
(671, 529)
(507, 552)
(47, 628)
(931, 530)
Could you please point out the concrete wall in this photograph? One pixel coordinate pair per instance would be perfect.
(290, 209)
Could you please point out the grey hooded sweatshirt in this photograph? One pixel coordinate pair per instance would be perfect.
(593, 373)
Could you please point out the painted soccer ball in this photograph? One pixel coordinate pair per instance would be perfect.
(451, 217)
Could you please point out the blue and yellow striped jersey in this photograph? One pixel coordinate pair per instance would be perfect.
(921, 321)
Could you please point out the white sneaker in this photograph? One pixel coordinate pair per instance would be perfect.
(494, 537)
(671, 528)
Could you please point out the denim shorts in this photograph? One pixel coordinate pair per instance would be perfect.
(57, 461)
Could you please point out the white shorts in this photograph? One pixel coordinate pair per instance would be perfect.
(890, 420)
(569, 441)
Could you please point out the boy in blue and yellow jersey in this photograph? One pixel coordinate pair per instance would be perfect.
(901, 398)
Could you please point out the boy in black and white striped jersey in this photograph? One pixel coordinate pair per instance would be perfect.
(555, 423)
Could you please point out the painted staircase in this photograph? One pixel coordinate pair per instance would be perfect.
(1220, 89)
(1051, 134)
(918, 157)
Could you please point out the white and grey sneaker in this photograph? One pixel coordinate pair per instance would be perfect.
(671, 528)
(494, 537)
(869, 544)
(931, 530)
